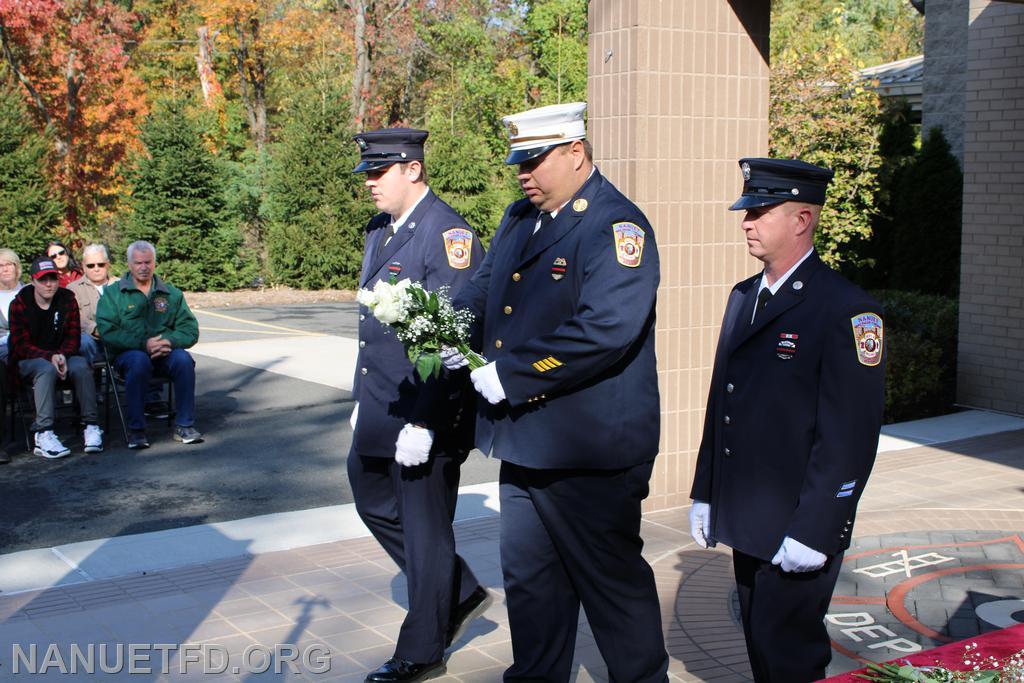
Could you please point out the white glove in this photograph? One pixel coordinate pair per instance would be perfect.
(413, 445)
(354, 416)
(700, 522)
(485, 381)
(452, 358)
(794, 556)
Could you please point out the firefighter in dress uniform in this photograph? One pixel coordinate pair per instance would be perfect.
(410, 437)
(564, 303)
(792, 423)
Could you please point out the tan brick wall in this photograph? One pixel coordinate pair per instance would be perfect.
(991, 355)
(678, 91)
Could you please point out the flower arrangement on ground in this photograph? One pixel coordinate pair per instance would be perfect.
(423, 321)
(978, 669)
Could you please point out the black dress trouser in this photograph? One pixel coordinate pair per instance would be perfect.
(783, 618)
(572, 538)
(410, 510)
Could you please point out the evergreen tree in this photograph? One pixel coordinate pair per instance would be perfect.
(927, 215)
(820, 112)
(29, 212)
(315, 206)
(177, 203)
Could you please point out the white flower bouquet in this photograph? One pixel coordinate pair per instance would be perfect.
(423, 321)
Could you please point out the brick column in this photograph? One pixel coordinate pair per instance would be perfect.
(990, 371)
(678, 91)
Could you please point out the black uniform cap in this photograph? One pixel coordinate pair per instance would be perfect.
(773, 181)
(381, 148)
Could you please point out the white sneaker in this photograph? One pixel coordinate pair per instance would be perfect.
(49, 446)
(93, 437)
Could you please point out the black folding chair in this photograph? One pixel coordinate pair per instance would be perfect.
(114, 388)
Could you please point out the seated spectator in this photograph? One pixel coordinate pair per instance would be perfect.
(45, 336)
(146, 326)
(67, 266)
(10, 284)
(87, 290)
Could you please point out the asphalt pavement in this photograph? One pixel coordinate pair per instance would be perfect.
(276, 428)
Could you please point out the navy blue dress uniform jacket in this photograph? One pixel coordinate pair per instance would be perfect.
(793, 415)
(388, 389)
(572, 330)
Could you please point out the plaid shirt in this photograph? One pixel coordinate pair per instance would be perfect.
(22, 345)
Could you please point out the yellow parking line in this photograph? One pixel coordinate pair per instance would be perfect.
(204, 328)
(292, 330)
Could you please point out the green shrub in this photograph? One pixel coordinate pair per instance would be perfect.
(29, 211)
(927, 206)
(921, 344)
(316, 207)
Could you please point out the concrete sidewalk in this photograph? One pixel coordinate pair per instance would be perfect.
(262, 590)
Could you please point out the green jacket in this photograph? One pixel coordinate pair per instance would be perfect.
(126, 317)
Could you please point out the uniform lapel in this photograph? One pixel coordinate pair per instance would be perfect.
(403, 235)
(786, 298)
(373, 238)
(741, 299)
(567, 219)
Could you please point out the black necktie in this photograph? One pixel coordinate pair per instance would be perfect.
(385, 238)
(762, 300)
(545, 219)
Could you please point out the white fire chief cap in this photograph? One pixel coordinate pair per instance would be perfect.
(532, 133)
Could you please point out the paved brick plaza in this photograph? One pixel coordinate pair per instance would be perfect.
(955, 509)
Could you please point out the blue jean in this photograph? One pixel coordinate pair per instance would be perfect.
(90, 348)
(137, 368)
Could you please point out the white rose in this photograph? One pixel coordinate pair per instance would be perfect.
(388, 311)
(366, 298)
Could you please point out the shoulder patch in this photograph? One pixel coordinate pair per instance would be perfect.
(629, 243)
(458, 245)
(868, 337)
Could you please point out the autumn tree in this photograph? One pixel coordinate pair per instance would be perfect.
(821, 112)
(71, 59)
(874, 31)
(29, 213)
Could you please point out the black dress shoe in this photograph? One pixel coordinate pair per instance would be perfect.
(396, 669)
(468, 610)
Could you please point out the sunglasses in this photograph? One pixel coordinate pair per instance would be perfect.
(60, 252)
(95, 265)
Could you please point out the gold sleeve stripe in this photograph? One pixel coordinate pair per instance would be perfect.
(549, 363)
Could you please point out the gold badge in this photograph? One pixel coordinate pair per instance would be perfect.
(513, 129)
(580, 205)
(458, 245)
(869, 338)
(629, 243)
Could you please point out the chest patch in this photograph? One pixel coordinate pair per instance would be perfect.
(160, 304)
(629, 243)
(868, 338)
(458, 245)
(786, 348)
(558, 268)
